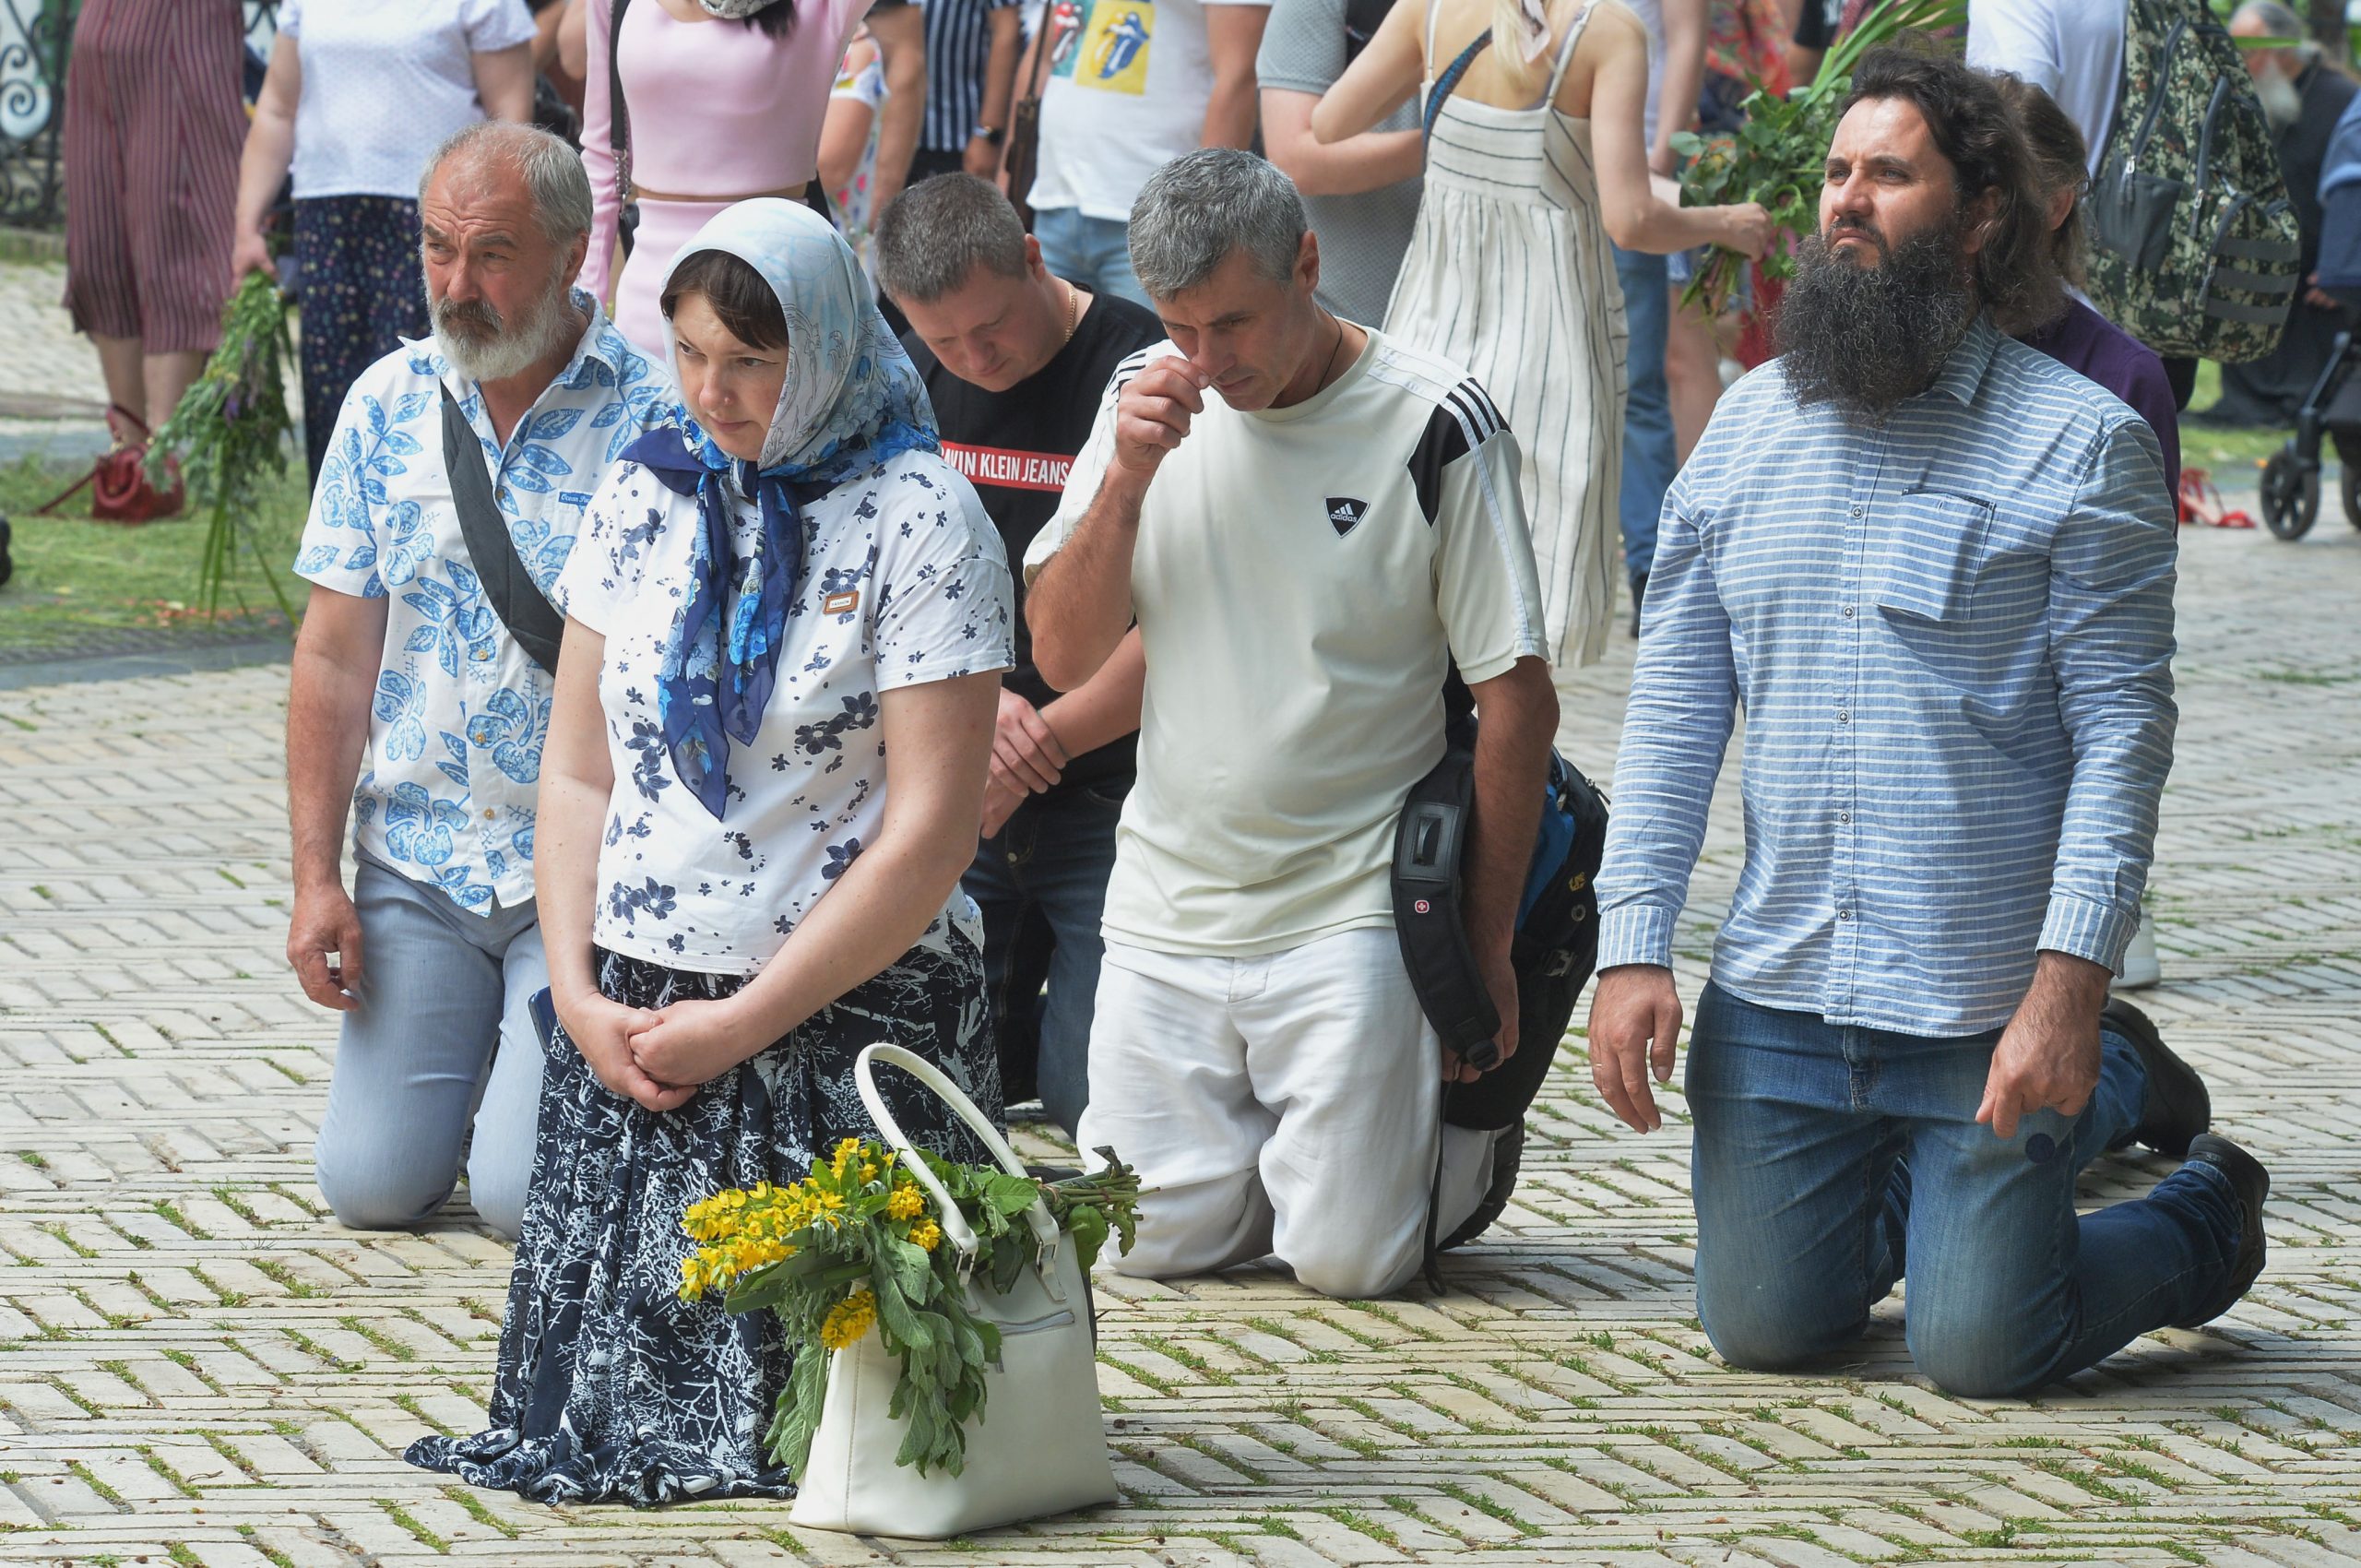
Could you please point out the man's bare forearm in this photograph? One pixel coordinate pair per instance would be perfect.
(1518, 717)
(1107, 706)
(1080, 605)
(1000, 66)
(328, 722)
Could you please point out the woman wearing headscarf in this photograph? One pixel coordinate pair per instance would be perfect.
(764, 772)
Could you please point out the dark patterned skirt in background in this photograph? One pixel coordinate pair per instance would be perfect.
(362, 290)
(608, 1387)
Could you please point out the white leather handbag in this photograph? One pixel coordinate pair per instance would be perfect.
(1038, 1445)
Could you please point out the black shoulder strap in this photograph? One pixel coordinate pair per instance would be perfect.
(1445, 83)
(618, 131)
(508, 585)
(618, 118)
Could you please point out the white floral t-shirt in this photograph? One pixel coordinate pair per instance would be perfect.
(904, 582)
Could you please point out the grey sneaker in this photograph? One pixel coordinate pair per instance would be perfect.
(2140, 968)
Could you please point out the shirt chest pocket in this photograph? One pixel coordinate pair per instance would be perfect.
(1931, 554)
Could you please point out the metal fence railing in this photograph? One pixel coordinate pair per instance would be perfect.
(36, 40)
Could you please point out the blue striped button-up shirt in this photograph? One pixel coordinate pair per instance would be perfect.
(1952, 637)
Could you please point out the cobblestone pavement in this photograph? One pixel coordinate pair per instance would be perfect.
(46, 359)
(199, 1367)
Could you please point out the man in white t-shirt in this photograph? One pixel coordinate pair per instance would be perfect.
(2070, 49)
(1128, 86)
(1307, 554)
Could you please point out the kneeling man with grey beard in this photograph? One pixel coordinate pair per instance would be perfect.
(1935, 567)
(454, 486)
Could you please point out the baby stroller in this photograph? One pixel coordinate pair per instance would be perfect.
(2291, 480)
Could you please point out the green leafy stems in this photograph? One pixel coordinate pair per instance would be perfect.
(229, 434)
(1777, 157)
(858, 1244)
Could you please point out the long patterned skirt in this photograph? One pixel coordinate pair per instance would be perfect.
(608, 1387)
(362, 290)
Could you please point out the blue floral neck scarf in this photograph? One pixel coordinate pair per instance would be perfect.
(851, 401)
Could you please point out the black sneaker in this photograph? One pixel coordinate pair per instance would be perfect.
(2177, 1108)
(2252, 1183)
(1508, 1157)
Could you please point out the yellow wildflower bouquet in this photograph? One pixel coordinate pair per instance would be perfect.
(856, 1244)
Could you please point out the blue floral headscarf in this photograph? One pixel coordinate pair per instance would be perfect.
(851, 401)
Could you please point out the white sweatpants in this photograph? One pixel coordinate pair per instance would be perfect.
(1284, 1104)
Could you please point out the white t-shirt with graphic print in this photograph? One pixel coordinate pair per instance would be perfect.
(905, 581)
(1125, 93)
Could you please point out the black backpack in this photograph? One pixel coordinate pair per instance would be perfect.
(1556, 945)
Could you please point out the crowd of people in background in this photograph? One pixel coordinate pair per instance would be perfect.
(965, 520)
(1069, 105)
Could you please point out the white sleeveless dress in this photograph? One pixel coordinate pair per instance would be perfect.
(1509, 275)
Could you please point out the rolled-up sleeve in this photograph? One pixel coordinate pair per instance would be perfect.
(2111, 577)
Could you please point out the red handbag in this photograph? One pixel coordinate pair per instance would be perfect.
(120, 492)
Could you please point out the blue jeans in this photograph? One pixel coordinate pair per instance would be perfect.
(1093, 252)
(1042, 883)
(1648, 447)
(1826, 1154)
(441, 1055)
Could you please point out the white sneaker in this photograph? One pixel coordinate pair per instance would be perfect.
(2140, 967)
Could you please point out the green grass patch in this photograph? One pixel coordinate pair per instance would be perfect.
(77, 580)
(279, 1559)
(403, 1517)
(2232, 456)
(475, 1510)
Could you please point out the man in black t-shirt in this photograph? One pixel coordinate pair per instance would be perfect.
(1016, 360)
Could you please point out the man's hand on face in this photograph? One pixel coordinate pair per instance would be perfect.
(1152, 412)
(1634, 1025)
(2048, 1056)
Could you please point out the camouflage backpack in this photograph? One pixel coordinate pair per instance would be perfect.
(2193, 243)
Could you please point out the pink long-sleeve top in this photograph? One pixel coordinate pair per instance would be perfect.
(718, 110)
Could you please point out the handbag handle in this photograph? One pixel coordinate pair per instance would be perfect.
(954, 1224)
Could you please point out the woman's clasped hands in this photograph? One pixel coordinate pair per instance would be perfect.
(657, 1058)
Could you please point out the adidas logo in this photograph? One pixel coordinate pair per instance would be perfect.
(1345, 514)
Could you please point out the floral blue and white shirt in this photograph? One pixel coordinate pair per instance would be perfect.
(459, 714)
(904, 582)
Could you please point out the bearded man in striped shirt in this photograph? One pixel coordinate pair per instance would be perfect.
(1935, 568)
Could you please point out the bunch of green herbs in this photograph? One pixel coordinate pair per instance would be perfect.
(857, 1244)
(229, 433)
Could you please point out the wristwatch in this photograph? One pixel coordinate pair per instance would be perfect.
(992, 136)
